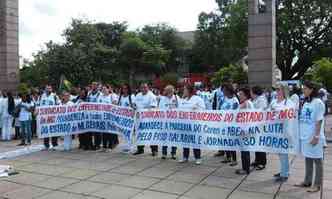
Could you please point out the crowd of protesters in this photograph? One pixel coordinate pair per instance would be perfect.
(311, 101)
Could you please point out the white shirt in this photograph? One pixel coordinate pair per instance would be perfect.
(310, 114)
(25, 114)
(93, 96)
(249, 105)
(260, 102)
(325, 94)
(296, 100)
(230, 104)
(114, 98)
(275, 105)
(207, 97)
(107, 99)
(146, 101)
(169, 103)
(48, 100)
(125, 102)
(193, 103)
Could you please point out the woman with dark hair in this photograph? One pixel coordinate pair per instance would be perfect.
(191, 101)
(126, 99)
(261, 103)
(245, 103)
(25, 119)
(85, 139)
(8, 109)
(230, 103)
(312, 137)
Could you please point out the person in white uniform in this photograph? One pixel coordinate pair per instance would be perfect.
(146, 100)
(8, 108)
(230, 103)
(48, 98)
(67, 140)
(169, 101)
(190, 101)
(261, 103)
(1, 107)
(281, 102)
(126, 99)
(25, 118)
(312, 137)
(93, 97)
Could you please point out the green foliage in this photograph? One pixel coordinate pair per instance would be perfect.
(169, 78)
(221, 38)
(100, 52)
(304, 30)
(322, 72)
(230, 72)
(23, 89)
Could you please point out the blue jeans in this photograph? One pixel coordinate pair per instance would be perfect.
(284, 164)
(26, 131)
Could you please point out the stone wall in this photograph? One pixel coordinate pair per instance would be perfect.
(9, 57)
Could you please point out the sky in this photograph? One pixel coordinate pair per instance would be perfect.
(45, 20)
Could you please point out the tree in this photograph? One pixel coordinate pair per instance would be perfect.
(322, 72)
(165, 36)
(230, 72)
(304, 34)
(221, 37)
(138, 56)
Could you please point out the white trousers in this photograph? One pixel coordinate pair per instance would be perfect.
(67, 141)
(7, 129)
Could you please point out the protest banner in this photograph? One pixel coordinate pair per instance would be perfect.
(85, 117)
(267, 131)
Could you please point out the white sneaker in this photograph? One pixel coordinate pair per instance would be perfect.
(198, 161)
(183, 160)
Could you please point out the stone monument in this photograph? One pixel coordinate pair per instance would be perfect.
(9, 57)
(262, 42)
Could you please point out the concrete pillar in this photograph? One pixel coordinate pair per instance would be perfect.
(262, 43)
(9, 51)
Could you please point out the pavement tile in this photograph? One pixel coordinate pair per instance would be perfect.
(55, 182)
(116, 192)
(250, 195)
(154, 195)
(8, 186)
(128, 169)
(206, 192)
(64, 195)
(26, 192)
(27, 178)
(222, 182)
(139, 182)
(269, 186)
(186, 177)
(46, 169)
(80, 174)
(171, 187)
(107, 177)
(84, 187)
(227, 172)
(156, 172)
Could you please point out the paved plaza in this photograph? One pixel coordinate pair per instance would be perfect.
(92, 175)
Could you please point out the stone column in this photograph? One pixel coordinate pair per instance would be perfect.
(262, 43)
(9, 57)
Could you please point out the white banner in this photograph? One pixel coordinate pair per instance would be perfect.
(267, 131)
(85, 117)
